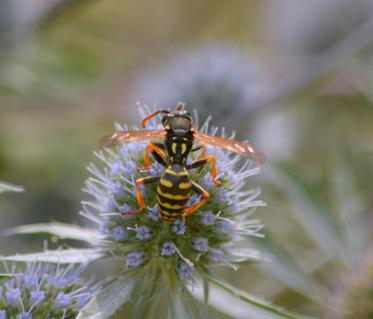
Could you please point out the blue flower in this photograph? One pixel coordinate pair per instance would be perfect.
(63, 300)
(207, 218)
(12, 295)
(24, 315)
(185, 271)
(43, 288)
(37, 296)
(168, 248)
(216, 254)
(178, 227)
(144, 237)
(118, 233)
(224, 226)
(154, 213)
(143, 233)
(135, 258)
(115, 187)
(200, 244)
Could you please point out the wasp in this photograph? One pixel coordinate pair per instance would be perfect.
(175, 142)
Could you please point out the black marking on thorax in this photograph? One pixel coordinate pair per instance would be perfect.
(178, 148)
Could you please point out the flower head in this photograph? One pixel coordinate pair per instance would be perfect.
(213, 234)
(50, 291)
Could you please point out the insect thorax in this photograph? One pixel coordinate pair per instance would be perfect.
(179, 147)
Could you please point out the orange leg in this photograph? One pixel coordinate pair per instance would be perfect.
(203, 152)
(158, 154)
(203, 161)
(139, 197)
(191, 209)
(150, 116)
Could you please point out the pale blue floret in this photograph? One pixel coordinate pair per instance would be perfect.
(130, 168)
(62, 300)
(3, 314)
(154, 213)
(143, 233)
(216, 254)
(135, 258)
(207, 181)
(178, 227)
(200, 244)
(168, 248)
(116, 169)
(118, 233)
(24, 315)
(108, 206)
(58, 281)
(12, 295)
(30, 280)
(125, 208)
(193, 200)
(222, 195)
(37, 296)
(185, 272)
(224, 226)
(207, 218)
(115, 187)
(83, 300)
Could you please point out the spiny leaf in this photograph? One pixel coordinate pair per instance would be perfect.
(245, 305)
(63, 231)
(109, 300)
(66, 256)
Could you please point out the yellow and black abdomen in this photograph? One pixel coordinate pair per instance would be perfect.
(173, 191)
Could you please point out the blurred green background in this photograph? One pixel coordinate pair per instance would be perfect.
(295, 77)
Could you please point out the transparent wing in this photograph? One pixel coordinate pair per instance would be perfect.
(130, 136)
(242, 148)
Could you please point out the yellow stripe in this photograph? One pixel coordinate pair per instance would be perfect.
(166, 183)
(173, 147)
(167, 205)
(171, 172)
(171, 196)
(185, 185)
(183, 148)
(170, 214)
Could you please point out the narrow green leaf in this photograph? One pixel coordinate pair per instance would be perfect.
(7, 187)
(66, 256)
(245, 305)
(63, 231)
(5, 277)
(109, 300)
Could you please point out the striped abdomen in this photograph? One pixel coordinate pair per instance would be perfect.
(173, 191)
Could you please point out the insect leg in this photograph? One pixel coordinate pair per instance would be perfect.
(139, 197)
(158, 155)
(203, 152)
(203, 161)
(201, 191)
(150, 116)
